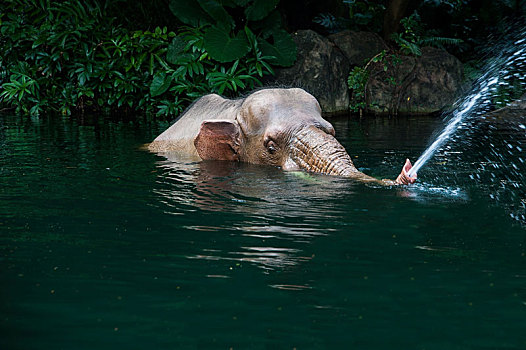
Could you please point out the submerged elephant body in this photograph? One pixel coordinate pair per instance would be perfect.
(280, 127)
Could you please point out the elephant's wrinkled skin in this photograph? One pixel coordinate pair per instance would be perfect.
(280, 127)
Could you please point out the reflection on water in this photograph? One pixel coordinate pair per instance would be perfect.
(104, 245)
(268, 258)
(221, 185)
(284, 206)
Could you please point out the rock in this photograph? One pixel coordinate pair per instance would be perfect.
(358, 47)
(520, 103)
(415, 85)
(514, 111)
(320, 68)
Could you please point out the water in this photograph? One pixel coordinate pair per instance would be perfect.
(104, 245)
(454, 123)
(505, 71)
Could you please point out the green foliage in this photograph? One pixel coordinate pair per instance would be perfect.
(363, 15)
(357, 82)
(224, 48)
(71, 57)
(358, 79)
(232, 78)
(282, 52)
(225, 37)
(190, 12)
(259, 9)
(329, 22)
(413, 37)
(409, 39)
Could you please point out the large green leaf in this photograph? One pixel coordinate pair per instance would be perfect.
(217, 12)
(268, 25)
(189, 12)
(260, 9)
(222, 47)
(283, 50)
(175, 49)
(161, 82)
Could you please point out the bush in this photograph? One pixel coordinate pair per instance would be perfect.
(226, 40)
(70, 56)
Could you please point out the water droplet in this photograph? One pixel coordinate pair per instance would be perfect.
(518, 52)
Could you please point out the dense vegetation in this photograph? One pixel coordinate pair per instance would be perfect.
(117, 56)
(74, 56)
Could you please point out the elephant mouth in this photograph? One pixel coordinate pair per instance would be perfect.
(316, 151)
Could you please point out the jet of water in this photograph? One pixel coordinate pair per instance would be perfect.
(452, 125)
(477, 102)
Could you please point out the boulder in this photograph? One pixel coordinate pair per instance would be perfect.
(320, 68)
(514, 111)
(415, 85)
(358, 47)
(520, 103)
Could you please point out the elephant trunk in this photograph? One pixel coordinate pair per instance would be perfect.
(315, 150)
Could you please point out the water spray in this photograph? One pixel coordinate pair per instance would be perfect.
(453, 124)
(477, 102)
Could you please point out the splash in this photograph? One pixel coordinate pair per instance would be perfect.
(480, 100)
(482, 146)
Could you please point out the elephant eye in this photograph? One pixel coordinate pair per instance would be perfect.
(271, 146)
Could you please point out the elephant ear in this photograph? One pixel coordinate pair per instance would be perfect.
(218, 140)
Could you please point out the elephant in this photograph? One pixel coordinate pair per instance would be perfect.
(276, 126)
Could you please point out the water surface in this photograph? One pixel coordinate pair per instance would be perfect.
(104, 245)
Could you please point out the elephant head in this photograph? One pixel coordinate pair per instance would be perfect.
(280, 127)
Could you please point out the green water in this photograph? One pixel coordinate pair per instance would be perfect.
(106, 246)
